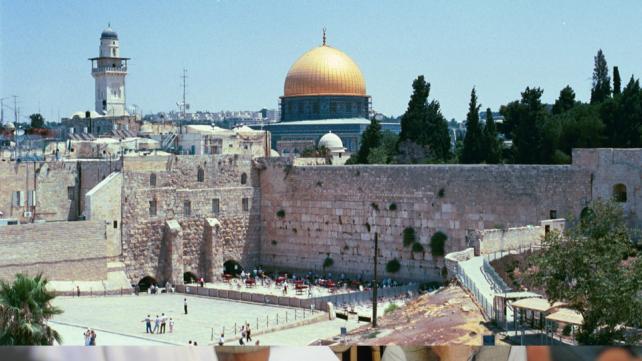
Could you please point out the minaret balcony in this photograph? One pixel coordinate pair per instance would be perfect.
(109, 69)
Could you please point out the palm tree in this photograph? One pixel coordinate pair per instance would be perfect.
(25, 307)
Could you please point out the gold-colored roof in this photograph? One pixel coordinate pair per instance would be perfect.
(324, 71)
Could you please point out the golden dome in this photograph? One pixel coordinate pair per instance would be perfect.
(324, 71)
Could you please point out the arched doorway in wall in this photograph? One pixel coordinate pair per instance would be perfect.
(189, 277)
(232, 267)
(146, 282)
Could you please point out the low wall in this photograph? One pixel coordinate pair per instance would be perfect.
(496, 240)
(452, 259)
(74, 251)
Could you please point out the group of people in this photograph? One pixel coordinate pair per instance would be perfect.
(90, 337)
(160, 323)
(246, 334)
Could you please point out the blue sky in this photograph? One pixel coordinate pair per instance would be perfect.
(238, 52)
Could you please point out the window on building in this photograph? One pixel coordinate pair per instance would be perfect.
(152, 208)
(152, 180)
(619, 193)
(552, 214)
(187, 208)
(246, 204)
(201, 175)
(243, 178)
(215, 205)
(71, 193)
(115, 224)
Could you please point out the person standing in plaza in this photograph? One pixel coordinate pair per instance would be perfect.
(148, 324)
(242, 331)
(221, 340)
(185, 305)
(171, 325)
(163, 321)
(92, 338)
(156, 324)
(248, 335)
(87, 336)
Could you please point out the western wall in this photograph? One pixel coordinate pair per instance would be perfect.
(160, 216)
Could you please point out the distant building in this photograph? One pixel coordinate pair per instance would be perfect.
(206, 139)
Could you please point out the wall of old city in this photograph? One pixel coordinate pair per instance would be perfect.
(611, 168)
(63, 250)
(230, 179)
(335, 210)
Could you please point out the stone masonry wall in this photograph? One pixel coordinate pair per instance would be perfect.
(62, 250)
(328, 210)
(177, 182)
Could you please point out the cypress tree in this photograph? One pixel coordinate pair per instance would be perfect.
(413, 119)
(435, 134)
(492, 145)
(601, 81)
(527, 137)
(565, 102)
(473, 140)
(370, 139)
(617, 82)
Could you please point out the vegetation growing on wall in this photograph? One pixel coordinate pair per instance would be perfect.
(417, 247)
(409, 236)
(328, 262)
(280, 213)
(438, 244)
(393, 266)
(392, 207)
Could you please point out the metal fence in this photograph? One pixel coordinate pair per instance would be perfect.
(269, 321)
(485, 303)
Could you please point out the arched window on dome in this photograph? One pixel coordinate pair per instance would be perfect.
(619, 193)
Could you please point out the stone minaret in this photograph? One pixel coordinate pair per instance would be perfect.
(109, 71)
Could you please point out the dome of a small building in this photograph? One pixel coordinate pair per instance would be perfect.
(332, 142)
(10, 126)
(274, 153)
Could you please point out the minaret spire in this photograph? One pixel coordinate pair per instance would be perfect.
(324, 29)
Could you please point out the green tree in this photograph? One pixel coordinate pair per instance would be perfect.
(37, 121)
(492, 144)
(473, 140)
(527, 135)
(378, 155)
(601, 80)
(436, 134)
(413, 120)
(581, 127)
(370, 139)
(424, 125)
(25, 307)
(588, 267)
(617, 82)
(565, 102)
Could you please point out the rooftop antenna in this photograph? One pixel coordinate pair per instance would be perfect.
(324, 29)
(184, 105)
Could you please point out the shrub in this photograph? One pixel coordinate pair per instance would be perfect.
(393, 266)
(368, 226)
(392, 207)
(274, 242)
(417, 247)
(374, 206)
(409, 236)
(280, 213)
(441, 193)
(328, 262)
(391, 308)
(438, 244)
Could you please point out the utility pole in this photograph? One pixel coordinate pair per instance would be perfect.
(375, 283)
(15, 108)
(184, 104)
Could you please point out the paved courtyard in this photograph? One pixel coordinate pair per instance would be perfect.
(120, 319)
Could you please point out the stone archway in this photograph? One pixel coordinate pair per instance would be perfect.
(146, 282)
(189, 277)
(232, 267)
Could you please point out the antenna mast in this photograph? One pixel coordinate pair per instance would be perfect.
(184, 78)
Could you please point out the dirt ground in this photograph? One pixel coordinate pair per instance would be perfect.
(447, 317)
